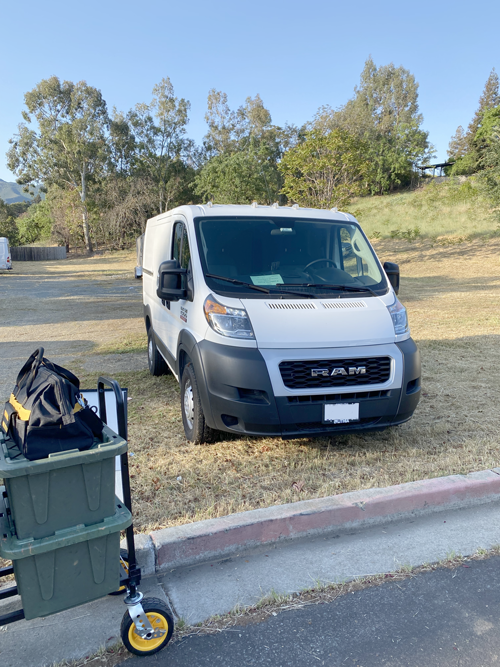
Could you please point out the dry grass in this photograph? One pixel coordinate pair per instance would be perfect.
(452, 297)
(451, 292)
(117, 264)
(105, 657)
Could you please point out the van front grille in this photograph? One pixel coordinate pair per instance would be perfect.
(313, 374)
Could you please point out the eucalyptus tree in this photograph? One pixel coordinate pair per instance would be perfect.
(63, 140)
(242, 149)
(122, 144)
(160, 140)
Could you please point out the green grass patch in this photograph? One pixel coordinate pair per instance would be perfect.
(130, 343)
(450, 212)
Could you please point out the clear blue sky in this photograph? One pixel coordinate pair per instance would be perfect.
(296, 55)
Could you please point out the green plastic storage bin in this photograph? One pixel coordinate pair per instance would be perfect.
(63, 490)
(74, 566)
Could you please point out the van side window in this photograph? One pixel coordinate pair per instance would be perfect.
(182, 254)
(185, 254)
(355, 260)
(350, 261)
(176, 250)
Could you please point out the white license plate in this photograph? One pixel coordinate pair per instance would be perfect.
(341, 413)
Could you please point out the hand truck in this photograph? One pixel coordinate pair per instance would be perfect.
(148, 624)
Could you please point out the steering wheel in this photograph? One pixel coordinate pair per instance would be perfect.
(325, 259)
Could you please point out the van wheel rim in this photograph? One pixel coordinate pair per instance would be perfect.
(189, 405)
(150, 351)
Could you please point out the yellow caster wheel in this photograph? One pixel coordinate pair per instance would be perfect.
(162, 622)
(124, 564)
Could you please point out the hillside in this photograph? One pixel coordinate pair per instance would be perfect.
(454, 209)
(13, 192)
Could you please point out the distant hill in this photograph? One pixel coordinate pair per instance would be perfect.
(12, 193)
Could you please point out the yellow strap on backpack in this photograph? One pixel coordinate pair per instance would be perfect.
(22, 412)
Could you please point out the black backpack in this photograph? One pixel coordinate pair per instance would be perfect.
(46, 413)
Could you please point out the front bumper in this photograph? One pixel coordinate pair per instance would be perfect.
(238, 396)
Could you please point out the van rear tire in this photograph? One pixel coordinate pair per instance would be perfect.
(157, 364)
(193, 419)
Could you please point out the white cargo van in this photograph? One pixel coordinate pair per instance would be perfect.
(276, 321)
(5, 260)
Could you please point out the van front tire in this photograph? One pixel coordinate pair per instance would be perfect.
(157, 364)
(193, 419)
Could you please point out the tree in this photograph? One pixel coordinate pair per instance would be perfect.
(122, 144)
(253, 119)
(222, 122)
(160, 129)
(8, 224)
(458, 145)
(65, 209)
(239, 178)
(326, 170)
(36, 223)
(68, 146)
(468, 150)
(384, 113)
(243, 148)
(490, 98)
(124, 206)
(489, 135)
(488, 129)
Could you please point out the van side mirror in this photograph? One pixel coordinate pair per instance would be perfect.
(392, 271)
(170, 281)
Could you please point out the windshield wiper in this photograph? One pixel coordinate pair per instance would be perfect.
(238, 282)
(346, 288)
(257, 287)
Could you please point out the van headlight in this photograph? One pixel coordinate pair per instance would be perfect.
(232, 322)
(399, 318)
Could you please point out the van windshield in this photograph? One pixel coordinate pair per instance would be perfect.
(286, 255)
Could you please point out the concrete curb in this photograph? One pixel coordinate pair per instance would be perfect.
(210, 540)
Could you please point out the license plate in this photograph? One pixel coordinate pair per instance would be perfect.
(341, 413)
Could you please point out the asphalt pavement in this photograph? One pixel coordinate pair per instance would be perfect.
(443, 618)
(353, 632)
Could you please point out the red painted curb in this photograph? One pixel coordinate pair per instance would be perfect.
(211, 539)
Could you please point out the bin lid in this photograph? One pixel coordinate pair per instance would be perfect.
(12, 548)
(14, 464)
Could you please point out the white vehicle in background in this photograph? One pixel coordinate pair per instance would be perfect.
(139, 247)
(276, 321)
(5, 259)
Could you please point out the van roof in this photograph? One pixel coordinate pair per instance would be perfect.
(254, 209)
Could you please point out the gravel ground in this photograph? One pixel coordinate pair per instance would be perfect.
(71, 308)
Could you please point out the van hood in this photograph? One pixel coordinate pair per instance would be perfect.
(287, 323)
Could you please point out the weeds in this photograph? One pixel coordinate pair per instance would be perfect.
(410, 234)
(105, 657)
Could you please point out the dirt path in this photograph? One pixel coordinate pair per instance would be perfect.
(73, 308)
